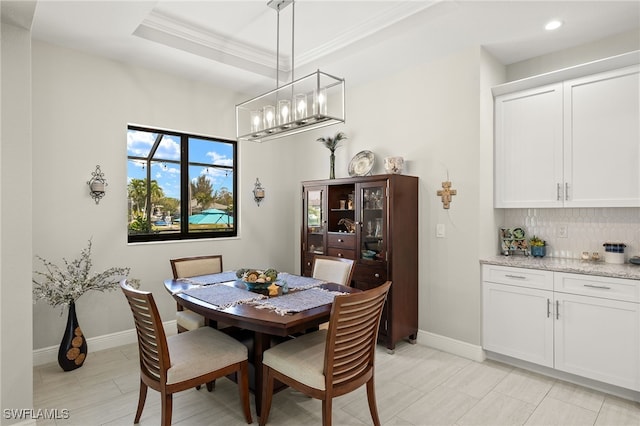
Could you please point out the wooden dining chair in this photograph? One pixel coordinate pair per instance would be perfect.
(333, 269)
(330, 363)
(182, 361)
(187, 267)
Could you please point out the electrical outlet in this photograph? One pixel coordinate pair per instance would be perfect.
(563, 231)
(440, 231)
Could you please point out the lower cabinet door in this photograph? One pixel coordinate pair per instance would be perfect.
(599, 339)
(518, 322)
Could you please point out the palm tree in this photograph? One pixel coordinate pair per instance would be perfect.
(332, 143)
(137, 192)
(202, 191)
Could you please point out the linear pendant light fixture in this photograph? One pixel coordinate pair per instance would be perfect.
(313, 101)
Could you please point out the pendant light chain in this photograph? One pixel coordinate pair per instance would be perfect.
(293, 107)
(278, 49)
(293, 39)
(293, 26)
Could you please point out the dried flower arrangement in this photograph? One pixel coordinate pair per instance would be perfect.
(63, 286)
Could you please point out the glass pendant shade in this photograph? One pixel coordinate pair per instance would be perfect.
(300, 105)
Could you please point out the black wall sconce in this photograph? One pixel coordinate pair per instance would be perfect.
(97, 185)
(258, 192)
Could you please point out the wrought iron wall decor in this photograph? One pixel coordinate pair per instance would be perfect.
(97, 185)
(258, 192)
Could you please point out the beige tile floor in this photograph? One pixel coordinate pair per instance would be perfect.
(415, 386)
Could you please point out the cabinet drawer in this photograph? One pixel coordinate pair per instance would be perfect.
(341, 240)
(374, 275)
(521, 277)
(604, 287)
(340, 252)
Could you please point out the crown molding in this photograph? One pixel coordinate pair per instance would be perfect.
(384, 19)
(178, 34)
(175, 33)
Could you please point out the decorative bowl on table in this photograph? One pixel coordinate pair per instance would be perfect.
(257, 279)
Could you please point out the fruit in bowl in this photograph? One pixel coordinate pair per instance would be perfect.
(257, 278)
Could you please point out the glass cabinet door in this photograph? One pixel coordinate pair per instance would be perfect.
(315, 220)
(373, 233)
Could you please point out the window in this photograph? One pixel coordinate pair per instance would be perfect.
(180, 186)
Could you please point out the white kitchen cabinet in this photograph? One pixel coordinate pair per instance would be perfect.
(528, 149)
(598, 338)
(580, 324)
(513, 324)
(574, 143)
(602, 140)
(597, 328)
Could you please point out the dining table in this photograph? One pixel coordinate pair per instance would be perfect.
(293, 305)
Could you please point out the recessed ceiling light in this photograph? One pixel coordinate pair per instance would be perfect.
(553, 25)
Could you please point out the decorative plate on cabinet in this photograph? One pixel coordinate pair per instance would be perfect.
(361, 163)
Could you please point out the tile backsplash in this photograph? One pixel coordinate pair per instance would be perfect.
(569, 232)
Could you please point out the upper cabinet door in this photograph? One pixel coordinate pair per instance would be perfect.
(372, 200)
(528, 148)
(602, 139)
(315, 220)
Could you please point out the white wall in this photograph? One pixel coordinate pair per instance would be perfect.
(437, 115)
(430, 115)
(16, 377)
(610, 46)
(82, 105)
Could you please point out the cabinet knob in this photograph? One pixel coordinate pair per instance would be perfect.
(308, 263)
(376, 275)
(340, 240)
(339, 254)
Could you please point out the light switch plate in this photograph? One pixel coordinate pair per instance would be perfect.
(440, 230)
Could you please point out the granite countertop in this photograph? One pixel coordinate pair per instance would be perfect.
(576, 266)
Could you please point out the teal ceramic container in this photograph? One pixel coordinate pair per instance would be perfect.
(538, 251)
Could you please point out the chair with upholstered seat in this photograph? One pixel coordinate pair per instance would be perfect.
(330, 363)
(333, 269)
(182, 361)
(187, 267)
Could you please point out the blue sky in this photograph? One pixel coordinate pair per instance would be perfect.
(167, 174)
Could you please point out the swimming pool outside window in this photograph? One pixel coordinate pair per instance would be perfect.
(180, 186)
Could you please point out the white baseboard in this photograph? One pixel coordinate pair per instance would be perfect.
(453, 346)
(107, 341)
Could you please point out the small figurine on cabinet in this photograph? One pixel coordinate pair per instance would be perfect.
(348, 223)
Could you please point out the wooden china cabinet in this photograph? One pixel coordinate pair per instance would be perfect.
(373, 220)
